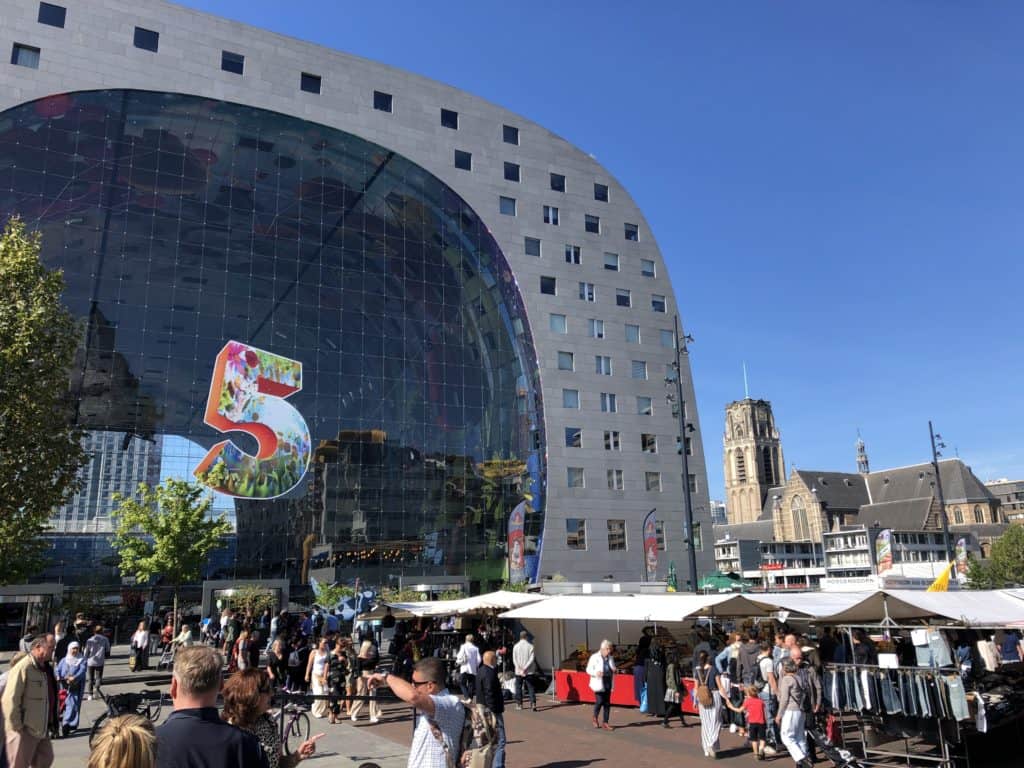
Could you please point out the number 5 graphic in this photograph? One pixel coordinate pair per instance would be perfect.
(247, 395)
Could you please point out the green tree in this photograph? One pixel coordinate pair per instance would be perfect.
(40, 448)
(1005, 565)
(253, 599)
(329, 595)
(167, 531)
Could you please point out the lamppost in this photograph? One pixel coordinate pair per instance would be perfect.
(936, 444)
(675, 399)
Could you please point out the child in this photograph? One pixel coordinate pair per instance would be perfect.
(753, 706)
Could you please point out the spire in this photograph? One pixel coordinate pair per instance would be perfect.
(862, 456)
(746, 389)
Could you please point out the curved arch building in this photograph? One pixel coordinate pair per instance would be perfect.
(411, 331)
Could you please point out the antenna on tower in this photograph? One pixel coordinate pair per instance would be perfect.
(746, 388)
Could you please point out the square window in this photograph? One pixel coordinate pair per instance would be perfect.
(596, 328)
(232, 62)
(648, 443)
(557, 182)
(551, 215)
(571, 398)
(601, 192)
(667, 338)
(615, 481)
(657, 302)
(531, 246)
(632, 232)
(511, 172)
(463, 160)
(587, 292)
(52, 15)
(611, 440)
(507, 206)
(659, 532)
(147, 39)
(575, 533)
(632, 333)
(653, 481)
(647, 267)
(608, 403)
(510, 134)
(640, 369)
(565, 361)
(693, 489)
(310, 83)
(611, 262)
(557, 323)
(616, 534)
(622, 297)
(450, 118)
(573, 254)
(25, 56)
(383, 102)
(644, 406)
(547, 285)
(574, 476)
(603, 365)
(573, 437)
(592, 223)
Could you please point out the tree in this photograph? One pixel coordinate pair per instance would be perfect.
(41, 449)
(329, 595)
(166, 531)
(1005, 565)
(253, 599)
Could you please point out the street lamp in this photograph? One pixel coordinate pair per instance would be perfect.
(936, 444)
(675, 399)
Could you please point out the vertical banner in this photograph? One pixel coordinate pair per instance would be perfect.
(517, 544)
(650, 547)
(883, 550)
(961, 560)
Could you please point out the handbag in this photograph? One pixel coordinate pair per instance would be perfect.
(704, 697)
(133, 659)
(671, 697)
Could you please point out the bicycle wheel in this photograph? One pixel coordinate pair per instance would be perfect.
(97, 724)
(151, 709)
(298, 732)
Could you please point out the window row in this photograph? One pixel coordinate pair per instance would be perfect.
(509, 206)
(603, 365)
(559, 323)
(575, 479)
(587, 291)
(532, 246)
(576, 534)
(612, 441)
(609, 402)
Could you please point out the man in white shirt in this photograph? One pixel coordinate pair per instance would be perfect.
(468, 660)
(525, 663)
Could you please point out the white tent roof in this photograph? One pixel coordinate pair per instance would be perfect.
(979, 608)
(499, 600)
(811, 604)
(627, 607)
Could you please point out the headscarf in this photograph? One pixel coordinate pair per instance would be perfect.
(73, 662)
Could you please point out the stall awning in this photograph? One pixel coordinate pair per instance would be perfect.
(810, 604)
(627, 607)
(979, 608)
(492, 601)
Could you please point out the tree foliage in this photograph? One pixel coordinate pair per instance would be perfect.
(329, 595)
(253, 599)
(1005, 565)
(41, 449)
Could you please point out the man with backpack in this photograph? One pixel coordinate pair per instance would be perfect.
(768, 683)
(490, 695)
(811, 683)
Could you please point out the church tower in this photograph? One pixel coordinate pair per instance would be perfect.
(862, 456)
(752, 458)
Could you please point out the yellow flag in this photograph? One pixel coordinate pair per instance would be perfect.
(941, 584)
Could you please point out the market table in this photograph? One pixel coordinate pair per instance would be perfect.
(575, 686)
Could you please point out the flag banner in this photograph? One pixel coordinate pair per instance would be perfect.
(883, 550)
(961, 560)
(517, 544)
(941, 583)
(651, 546)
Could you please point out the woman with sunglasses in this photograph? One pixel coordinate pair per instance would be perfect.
(247, 697)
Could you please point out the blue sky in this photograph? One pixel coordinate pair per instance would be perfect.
(836, 188)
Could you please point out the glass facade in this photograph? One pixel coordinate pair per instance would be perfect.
(321, 316)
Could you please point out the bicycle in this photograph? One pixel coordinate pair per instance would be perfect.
(296, 727)
(147, 703)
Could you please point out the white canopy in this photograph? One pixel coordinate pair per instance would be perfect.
(981, 608)
(810, 604)
(628, 607)
(497, 601)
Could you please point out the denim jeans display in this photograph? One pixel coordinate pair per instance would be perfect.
(911, 692)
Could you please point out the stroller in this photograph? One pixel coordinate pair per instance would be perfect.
(167, 657)
(841, 758)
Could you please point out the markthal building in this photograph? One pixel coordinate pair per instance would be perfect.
(406, 335)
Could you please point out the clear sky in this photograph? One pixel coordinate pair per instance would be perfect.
(836, 188)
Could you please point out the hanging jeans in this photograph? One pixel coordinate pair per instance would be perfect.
(890, 700)
(957, 697)
(922, 696)
(794, 735)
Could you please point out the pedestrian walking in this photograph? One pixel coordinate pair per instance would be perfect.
(490, 694)
(316, 676)
(524, 660)
(140, 647)
(601, 668)
(97, 651)
(71, 675)
(28, 704)
(468, 659)
(792, 701)
(709, 703)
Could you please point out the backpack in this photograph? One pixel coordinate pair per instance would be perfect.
(704, 697)
(804, 683)
(477, 742)
(759, 679)
(318, 623)
(293, 659)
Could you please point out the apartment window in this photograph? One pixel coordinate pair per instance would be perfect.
(647, 267)
(463, 160)
(667, 338)
(601, 192)
(450, 119)
(25, 56)
(232, 62)
(574, 476)
(596, 328)
(632, 232)
(565, 361)
(659, 533)
(557, 323)
(653, 481)
(507, 205)
(608, 402)
(557, 182)
(52, 15)
(586, 292)
(603, 365)
(531, 246)
(573, 254)
(547, 285)
(958, 516)
(512, 172)
(615, 482)
(622, 297)
(575, 533)
(979, 516)
(550, 215)
(611, 440)
(632, 333)
(639, 369)
(611, 262)
(657, 302)
(573, 437)
(147, 39)
(592, 223)
(383, 101)
(698, 539)
(644, 406)
(571, 398)
(310, 83)
(616, 535)
(693, 484)
(510, 134)
(648, 443)
(689, 445)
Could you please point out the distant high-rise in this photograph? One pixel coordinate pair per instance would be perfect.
(752, 458)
